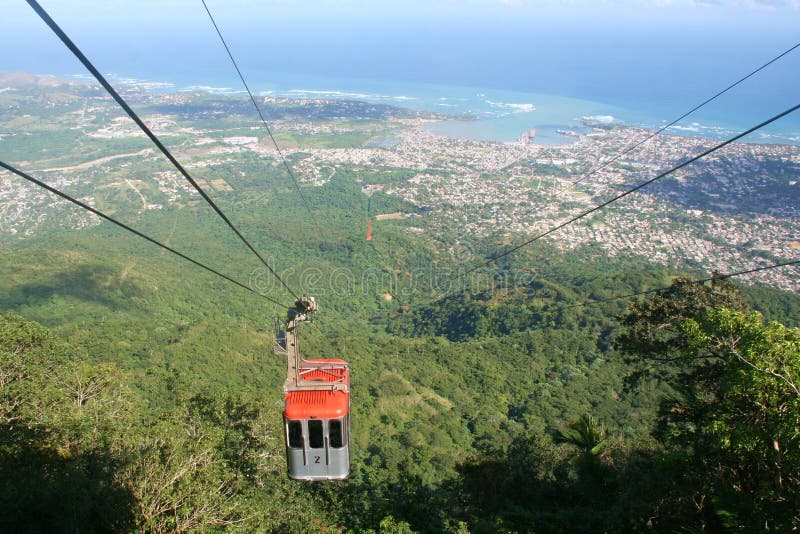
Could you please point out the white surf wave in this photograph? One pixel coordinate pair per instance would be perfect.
(322, 93)
(602, 119)
(212, 89)
(516, 108)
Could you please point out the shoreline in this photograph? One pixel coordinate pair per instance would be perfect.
(477, 114)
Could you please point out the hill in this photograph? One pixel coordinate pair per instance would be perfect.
(470, 397)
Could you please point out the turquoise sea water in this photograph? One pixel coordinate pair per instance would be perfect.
(511, 75)
(502, 116)
(481, 114)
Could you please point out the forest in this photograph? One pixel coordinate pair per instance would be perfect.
(139, 393)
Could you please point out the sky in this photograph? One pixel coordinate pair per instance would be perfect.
(612, 50)
(297, 20)
(92, 12)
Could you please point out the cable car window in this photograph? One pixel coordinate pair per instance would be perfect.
(335, 431)
(315, 434)
(295, 434)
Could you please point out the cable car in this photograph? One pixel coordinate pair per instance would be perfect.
(317, 407)
(317, 423)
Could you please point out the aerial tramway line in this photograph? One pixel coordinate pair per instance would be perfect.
(317, 391)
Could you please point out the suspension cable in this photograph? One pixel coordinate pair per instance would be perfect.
(634, 189)
(132, 114)
(263, 120)
(133, 231)
(657, 132)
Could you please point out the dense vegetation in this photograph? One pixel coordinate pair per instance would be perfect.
(448, 436)
(502, 409)
(140, 393)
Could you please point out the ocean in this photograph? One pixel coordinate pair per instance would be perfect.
(503, 116)
(509, 78)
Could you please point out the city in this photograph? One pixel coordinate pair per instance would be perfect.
(698, 217)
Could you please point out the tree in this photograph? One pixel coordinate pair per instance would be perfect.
(586, 434)
(730, 428)
(57, 416)
(755, 418)
(75, 456)
(651, 329)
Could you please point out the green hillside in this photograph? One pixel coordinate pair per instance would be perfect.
(467, 407)
(141, 393)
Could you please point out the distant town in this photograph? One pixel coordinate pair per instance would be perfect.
(735, 210)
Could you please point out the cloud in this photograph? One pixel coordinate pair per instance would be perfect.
(735, 4)
(770, 4)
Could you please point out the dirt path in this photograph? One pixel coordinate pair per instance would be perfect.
(144, 202)
(98, 161)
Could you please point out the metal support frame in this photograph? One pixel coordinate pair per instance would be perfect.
(297, 367)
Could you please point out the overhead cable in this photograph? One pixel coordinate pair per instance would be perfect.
(133, 231)
(132, 114)
(634, 189)
(263, 120)
(697, 107)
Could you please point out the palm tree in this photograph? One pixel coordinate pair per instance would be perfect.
(586, 434)
(589, 437)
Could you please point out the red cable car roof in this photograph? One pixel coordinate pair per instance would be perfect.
(320, 404)
(338, 372)
(316, 404)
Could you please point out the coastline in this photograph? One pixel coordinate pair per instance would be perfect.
(480, 114)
